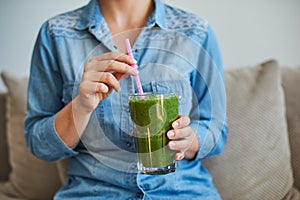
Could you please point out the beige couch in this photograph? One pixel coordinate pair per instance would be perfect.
(260, 161)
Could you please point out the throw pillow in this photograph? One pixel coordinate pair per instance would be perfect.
(30, 177)
(291, 82)
(255, 163)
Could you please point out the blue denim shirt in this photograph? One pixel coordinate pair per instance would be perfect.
(176, 52)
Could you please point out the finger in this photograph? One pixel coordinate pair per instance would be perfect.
(179, 156)
(179, 145)
(111, 81)
(181, 122)
(103, 77)
(92, 76)
(97, 76)
(119, 76)
(180, 133)
(115, 56)
(110, 65)
(93, 87)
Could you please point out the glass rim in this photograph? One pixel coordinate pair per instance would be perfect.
(148, 94)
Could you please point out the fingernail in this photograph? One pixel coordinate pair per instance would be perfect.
(172, 144)
(181, 157)
(171, 134)
(118, 89)
(135, 72)
(175, 124)
(133, 60)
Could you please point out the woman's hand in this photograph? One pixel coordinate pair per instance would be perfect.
(102, 75)
(183, 139)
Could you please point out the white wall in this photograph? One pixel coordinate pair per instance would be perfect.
(248, 31)
(20, 21)
(251, 31)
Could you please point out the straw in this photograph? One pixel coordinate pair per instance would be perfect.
(136, 77)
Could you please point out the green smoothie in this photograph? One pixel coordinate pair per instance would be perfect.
(153, 115)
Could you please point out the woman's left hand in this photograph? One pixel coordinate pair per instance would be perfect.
(183, 139)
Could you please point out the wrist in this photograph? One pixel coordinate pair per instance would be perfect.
(79, 107)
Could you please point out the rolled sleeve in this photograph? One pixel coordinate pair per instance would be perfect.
(211, 143)
(52, 147)
(44, 101)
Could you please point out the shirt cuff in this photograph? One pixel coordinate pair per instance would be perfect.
(54, 144)
(205, 144)
(211, 140)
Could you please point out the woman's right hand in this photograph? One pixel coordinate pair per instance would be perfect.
(102, 75)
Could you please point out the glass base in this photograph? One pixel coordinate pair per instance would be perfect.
(157, 170)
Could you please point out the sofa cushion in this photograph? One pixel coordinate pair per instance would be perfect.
(30, 177)
(291, 82)
(255, 163)
(4, 196)
(63, 167)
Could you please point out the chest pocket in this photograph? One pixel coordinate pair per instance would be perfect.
(180, 87)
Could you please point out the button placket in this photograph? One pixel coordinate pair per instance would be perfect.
(126, 123)
(131, 174)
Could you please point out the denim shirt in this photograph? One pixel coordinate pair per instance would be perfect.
(176, 52)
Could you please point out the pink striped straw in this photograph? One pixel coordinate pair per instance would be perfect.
(137, 78)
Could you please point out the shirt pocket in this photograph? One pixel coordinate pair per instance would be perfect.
(180, 87)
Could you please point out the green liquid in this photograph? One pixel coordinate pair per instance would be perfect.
(153, 117)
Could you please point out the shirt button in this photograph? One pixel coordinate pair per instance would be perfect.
(128, 144)
(133, 166)
(92, 27)
(134, 177)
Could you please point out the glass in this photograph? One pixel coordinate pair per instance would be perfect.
(153, 115)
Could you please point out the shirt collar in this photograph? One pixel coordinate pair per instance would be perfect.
(91, 16)
(158, 16)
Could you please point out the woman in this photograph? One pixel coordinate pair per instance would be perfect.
(77, 98)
